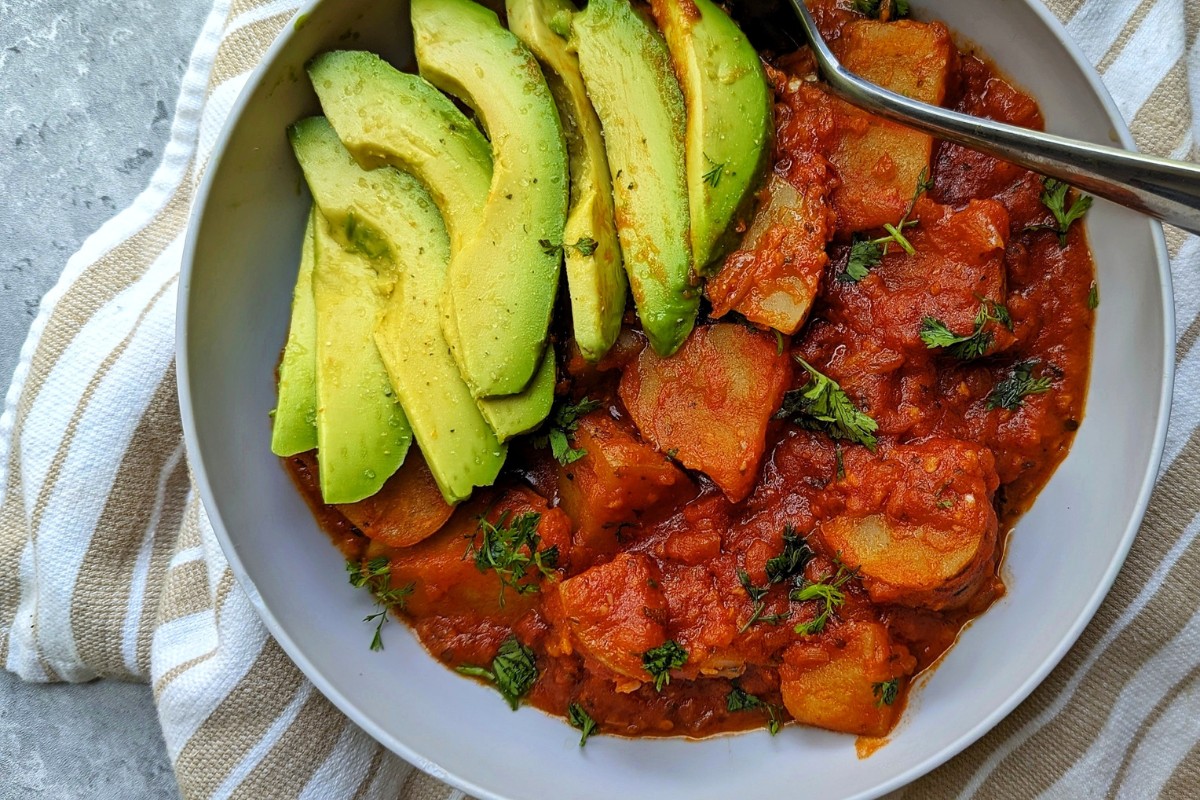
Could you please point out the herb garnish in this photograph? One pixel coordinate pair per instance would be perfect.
(585, 246)
(886, 692)
(513, 671)
(1011, 392)
(510, 547)
(839, 459)
(865, 254)
(1093, 301)
(713, 176)
(1054, 197)
(935, 333)
(376, 577)
(659, 661)
(823, 406)
(882, 9)
(739, 699)
(794, 558)
(579, 718)
(827, 591)
(564, 423)
(757, 593)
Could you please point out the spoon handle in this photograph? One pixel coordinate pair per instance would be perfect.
(1159, 187)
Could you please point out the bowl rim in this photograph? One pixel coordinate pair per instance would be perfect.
(1124, 138)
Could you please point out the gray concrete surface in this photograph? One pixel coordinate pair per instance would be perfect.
(87, 93)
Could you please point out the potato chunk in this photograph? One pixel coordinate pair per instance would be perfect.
(711, 401)
(408, 509)
(879, 162)
(445, 582)
(931, 539)
(773, 278)
(831, 683)
(612, 614)
(618, 480)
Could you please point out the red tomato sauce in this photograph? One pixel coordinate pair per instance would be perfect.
(688, 484)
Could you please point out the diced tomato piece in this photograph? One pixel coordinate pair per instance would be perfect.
(444, 576)
(709, 404)
(618, 480)
(837, 681)
(407, 509)
(957, 267)
(612, 614)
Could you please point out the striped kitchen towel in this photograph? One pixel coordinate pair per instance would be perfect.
(108, 567)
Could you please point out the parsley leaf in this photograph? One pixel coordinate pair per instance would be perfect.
(579, 718)
(882, 9)
(1054, 197)
(565, 422)
(513, 671)
(1093, 301)
(1011, 392)
(823, 406)
(510, 548)
(935, 333)
(739, 699)
(865, 255)
(376, 577)
(794, 558)
(886, 692)
(659, 661)
(713, 176)
(828, 592)
(757, 593)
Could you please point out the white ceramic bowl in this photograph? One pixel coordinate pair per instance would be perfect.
(240, 264)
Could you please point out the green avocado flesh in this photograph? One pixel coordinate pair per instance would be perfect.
(362, 432)
(629, 78)
(295, 426)
(393, 212)
(384, 116)
(596, 279)
(502, 283)
(723, 82)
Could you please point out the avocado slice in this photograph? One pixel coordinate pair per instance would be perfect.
(294, 429)
(393, 212)
(384, 116)
(628, 76)
(502, 283)
(595, 273)
(723, 82)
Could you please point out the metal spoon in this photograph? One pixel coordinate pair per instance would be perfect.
(1159, 187)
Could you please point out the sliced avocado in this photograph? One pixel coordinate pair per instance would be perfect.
(394, 213)
(295, 425)
(502, 284)
(723, 82)
(629, 78)
(384, 116)
(595, 273)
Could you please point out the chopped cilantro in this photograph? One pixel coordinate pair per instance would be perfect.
(1011, 392)
(376, 577)
(513, 671)
(886, 692)
(1054, 197)
(828, 592)
(823, 406)
(659, 661)
(579, 718)
(510, 548)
